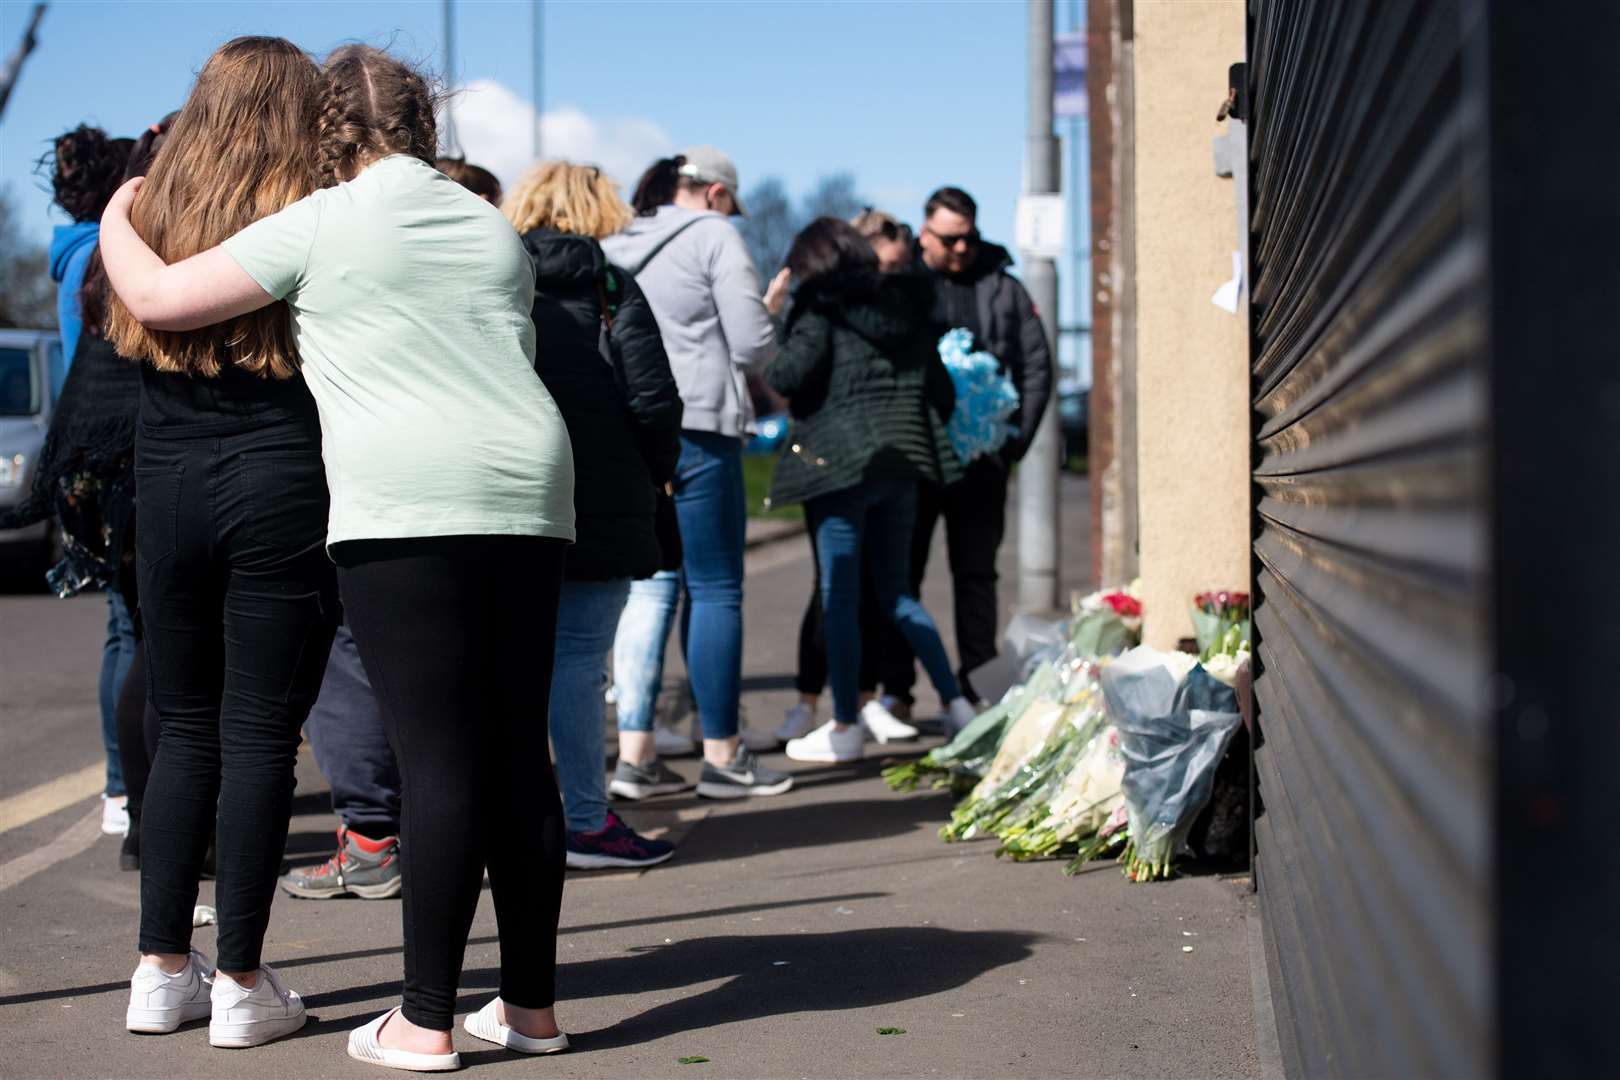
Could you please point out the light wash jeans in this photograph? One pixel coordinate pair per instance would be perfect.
(116, 656)
(882, 513)
(587, 616)
(638, 648)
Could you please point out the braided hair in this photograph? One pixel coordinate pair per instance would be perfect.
(372, 105)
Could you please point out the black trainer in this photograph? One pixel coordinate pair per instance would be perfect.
(743, 778)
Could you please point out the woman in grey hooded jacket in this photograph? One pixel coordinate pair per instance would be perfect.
(694, 269)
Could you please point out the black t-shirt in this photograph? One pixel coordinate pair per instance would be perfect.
(179, 406)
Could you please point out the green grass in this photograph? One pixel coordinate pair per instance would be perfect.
(757, 470)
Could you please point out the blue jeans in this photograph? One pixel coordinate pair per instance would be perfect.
(587, 617)
(116, 656)
(638, 648)
(882, 513)
(711, 505)
(345, 729)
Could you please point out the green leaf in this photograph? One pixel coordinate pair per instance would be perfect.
(891, 1031)
(695, 1059)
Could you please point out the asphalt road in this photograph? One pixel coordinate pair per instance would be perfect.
(779, 940)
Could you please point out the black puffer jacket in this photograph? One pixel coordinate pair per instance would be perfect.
(1009, 330)
(867, 391)
(624, 419)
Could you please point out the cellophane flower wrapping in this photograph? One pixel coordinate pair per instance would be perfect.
(985, 398)
(1036, 755)
(1173, 730)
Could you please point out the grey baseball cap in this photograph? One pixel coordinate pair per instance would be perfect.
(711, 165)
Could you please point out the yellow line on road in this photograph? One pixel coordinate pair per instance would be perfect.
(51, 796)
(75, 838)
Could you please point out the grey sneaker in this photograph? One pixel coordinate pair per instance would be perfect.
(744, 777)
(362, 867)
(645, 780)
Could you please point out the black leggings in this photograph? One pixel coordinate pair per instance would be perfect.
(238, 606)
(457, 635)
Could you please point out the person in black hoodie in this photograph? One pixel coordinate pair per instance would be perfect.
(868, 395)
(603, 361)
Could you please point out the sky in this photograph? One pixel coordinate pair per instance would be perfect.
(906, 95)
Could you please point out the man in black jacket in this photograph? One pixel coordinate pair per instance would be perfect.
(974, 290)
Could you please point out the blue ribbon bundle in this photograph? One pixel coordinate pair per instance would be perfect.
(985, 398)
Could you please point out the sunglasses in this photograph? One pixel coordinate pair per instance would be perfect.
(960, 240)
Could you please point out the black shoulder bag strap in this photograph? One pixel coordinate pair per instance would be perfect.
(662, 244)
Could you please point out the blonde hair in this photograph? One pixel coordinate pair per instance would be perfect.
(570, 198)
(240, 149)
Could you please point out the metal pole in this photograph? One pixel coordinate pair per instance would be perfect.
(14, 63)
(537, 65)
(452, 145)
(1038, 473)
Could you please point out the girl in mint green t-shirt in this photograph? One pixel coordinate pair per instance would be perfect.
(452, 506)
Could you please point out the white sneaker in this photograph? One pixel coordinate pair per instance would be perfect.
(797, 723)
(883, 725)
(244, 1017)
(827, 743)
(959, 714)
(160, 1002)
(115, 815)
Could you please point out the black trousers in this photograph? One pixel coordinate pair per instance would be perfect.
(975, 513)
(238, 603)
(457, 635)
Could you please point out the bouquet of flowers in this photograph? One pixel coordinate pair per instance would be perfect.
(1079, 810)
(1174, 722)
(985, 398)
(1033, 762)
(1215, 613)
(962, 761)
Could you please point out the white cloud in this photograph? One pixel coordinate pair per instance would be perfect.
(496, 130)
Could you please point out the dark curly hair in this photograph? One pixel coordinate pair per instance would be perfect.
(372, 105)
(86, 167)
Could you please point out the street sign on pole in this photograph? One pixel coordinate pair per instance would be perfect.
(1069, 74)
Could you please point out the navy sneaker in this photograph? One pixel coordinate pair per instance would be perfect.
(614, 845)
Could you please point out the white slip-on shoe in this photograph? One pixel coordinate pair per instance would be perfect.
(244, 1017)
(365, 1046)
(484, 1024)
(828, 744)
(115, 815)
(884, 726)
(159, 1002)
(959, 714)
(797, 723)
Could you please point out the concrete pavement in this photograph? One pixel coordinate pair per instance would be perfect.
(783, 935)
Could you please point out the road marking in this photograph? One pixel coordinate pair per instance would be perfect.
(74, 839)
(51, 796)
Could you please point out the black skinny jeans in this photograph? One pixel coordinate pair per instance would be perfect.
(238, 604)
(457, 635)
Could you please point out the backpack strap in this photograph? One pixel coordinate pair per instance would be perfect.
(636, 270)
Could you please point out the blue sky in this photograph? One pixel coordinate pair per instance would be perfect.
(906, 95)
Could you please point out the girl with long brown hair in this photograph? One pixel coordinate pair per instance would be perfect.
(452, 478)
(238, 598)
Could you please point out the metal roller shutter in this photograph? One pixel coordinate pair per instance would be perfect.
(1369, 265)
